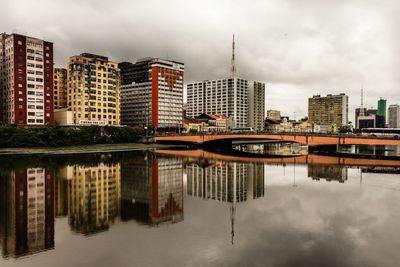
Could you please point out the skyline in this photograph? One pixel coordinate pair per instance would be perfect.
(305, 49)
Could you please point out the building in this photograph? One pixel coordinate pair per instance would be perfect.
(274, 115)
(382, 108)
(152, 93)
(94, 195)
(331, 110)
(370, 119)
(211, 123)
(359, 112)
(256, 105)
(26, 76)
(60, 88)
(26, 212)
(224, 96)
(93, 90)
(152, 190)
(394, 116)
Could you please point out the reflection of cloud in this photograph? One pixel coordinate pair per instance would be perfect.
(314, 224)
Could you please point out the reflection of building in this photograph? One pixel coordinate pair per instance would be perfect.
(60, 195)
(327, 172)
(93, 197)
(226, 181)
(330, 110)
(152, 190)
(27, 212)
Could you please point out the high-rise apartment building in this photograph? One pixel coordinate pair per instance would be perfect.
(60, 88)
(256, 105)
(227, 97)
(394, 116)
(152, 93)
(26, 79)
(331, 110)
(93, 90)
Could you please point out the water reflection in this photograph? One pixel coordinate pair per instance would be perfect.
(250, 196)
(27, 212)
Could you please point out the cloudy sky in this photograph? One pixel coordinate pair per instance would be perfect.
(299, 48)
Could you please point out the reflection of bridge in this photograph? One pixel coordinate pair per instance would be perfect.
(312, 140)
(307, 159)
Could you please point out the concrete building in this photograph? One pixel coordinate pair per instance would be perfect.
(371, 121)
(93, 90)
(256, 105)
(274, 115)
(331, 110)
(60, 88)
(224, 96)
(152, 93)
(26, 78)
(209, 123)
(394, 116)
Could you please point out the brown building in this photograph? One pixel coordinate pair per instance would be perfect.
(60, 88)
(331, 110)
(26, 79)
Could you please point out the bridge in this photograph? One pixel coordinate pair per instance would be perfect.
(304, 139)
(301, 160)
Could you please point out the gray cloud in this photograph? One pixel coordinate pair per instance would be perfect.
(299, 48)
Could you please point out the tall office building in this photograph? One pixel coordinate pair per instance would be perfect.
(256, 105)
(152, 93)
(27, 212)
(93, 90)
(382, 107)
(331, 110)
(60, 88)
(94, 195)
(227, 97)
(394, 116)
(26, 79)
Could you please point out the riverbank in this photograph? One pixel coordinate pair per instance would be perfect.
(83, 149)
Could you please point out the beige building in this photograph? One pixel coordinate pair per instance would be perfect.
(256, 106)
(93, 90)
(331, 110)
(60, 88)
(274, 115)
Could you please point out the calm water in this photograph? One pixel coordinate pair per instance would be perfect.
(146, 209)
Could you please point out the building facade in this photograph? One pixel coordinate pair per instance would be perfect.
(26, 78)
(93, 90)
(394, 116)
(224, 96)
(274, 115)
(60, 88)
(331, 110)
(382, 107)
(256, 105)
(152, 93)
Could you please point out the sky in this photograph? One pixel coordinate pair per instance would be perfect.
(298, 48)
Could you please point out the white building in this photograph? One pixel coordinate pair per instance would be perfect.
(227, 97)
(256, 105)
(394, 116)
